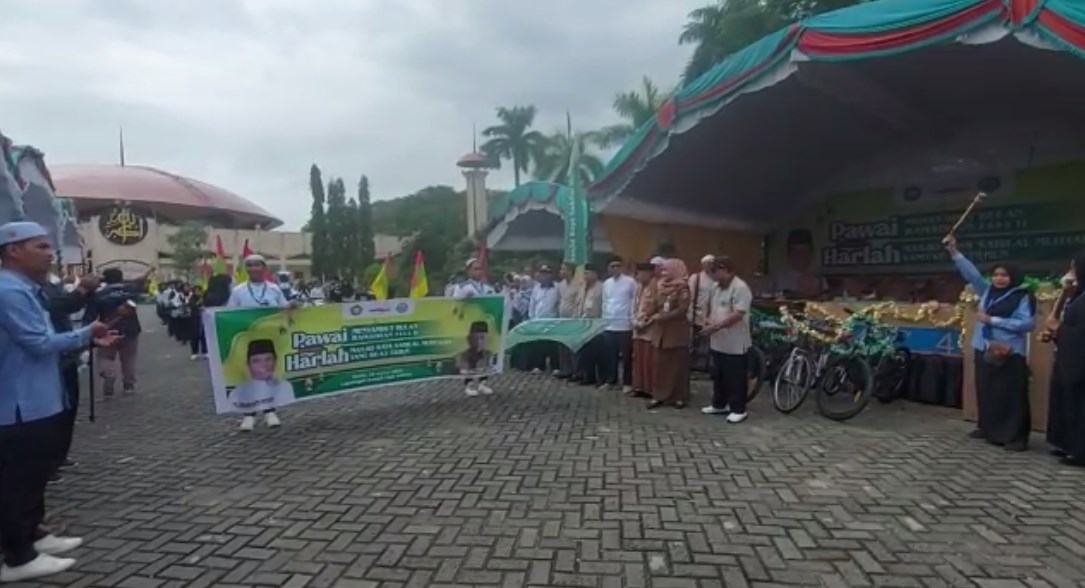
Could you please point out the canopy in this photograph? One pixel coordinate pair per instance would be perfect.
(529, 218)
(772, 124)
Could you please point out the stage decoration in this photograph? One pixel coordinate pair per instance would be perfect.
(868, 30)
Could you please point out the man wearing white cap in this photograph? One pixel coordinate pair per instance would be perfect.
(257, 292)
(32, 402)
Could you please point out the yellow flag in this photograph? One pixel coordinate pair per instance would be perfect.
(419, 281)
(380, 283)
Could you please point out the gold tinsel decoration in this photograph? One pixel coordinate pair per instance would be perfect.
(891, 310)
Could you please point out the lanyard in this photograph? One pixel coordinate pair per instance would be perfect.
(262, 300)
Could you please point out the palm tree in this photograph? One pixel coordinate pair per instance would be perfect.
(553, 165)
(513, 139)
(720, 29)
(636, 107)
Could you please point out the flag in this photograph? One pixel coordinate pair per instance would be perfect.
(220, 256)
(152, 285)
(419, 281)
(483, 260)
(380, 283)
(239, 268)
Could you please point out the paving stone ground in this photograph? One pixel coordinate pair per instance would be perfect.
(550, 485)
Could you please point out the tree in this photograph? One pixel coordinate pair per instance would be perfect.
(317, 225)
(513, 139)
(552, 164)
(720, 29)
(339, 227)
(366, 250)
(189, 246)
(636, 107)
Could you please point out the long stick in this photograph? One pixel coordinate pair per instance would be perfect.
(964, 216)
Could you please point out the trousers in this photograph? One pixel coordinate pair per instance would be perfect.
(29, 453)
(66, 430)
(730, 382)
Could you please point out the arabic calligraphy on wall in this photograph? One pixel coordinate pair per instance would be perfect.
(121, 225)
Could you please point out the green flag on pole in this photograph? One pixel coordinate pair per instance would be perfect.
(575, 209)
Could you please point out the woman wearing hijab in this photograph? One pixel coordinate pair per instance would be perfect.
(1066, 415)
(999, 339)
(670, 333)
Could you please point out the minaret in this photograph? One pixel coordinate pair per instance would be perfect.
(474, 166)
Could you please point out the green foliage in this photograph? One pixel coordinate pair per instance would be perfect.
(636, 107)
(317, 225)
(722, 28)
(339, 227)
(365, 249)
(189, 245)
(552, 163)
(513, 139)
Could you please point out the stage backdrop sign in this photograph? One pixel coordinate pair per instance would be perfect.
(1031, 218)
(262, 358)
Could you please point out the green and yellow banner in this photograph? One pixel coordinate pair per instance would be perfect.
(263, 358)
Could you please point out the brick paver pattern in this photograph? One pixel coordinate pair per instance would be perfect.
(545, 484)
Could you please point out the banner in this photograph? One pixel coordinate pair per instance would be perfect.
(572, 333)
(263, 358)
(1030, 218)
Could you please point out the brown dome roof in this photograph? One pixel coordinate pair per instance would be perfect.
(97, 187)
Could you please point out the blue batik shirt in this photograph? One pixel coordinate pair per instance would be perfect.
(31, 388)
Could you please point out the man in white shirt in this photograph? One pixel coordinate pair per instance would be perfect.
(619, 291)
(263, 390)
(727, 325)
(473, 286)
(568, 308)
(258, 292)
(701, 285)
(545, 303)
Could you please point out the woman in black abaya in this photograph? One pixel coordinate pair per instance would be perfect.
(1066, 425)
(1004, 320)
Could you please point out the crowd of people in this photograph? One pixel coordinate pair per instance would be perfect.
(654, 313)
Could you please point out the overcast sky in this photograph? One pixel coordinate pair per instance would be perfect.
(247, 94)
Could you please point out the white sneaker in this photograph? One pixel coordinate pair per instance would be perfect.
(471, 390)
(271, 420)
(485, 389)
(604, 387)
(248, 424)
(627, 389)
(39, 567)
(555, 373)
(736, 417)
(194, 357)
(536, 371)
(53, 545)
(713, 410)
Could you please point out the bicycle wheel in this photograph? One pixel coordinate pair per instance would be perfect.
(793, 383)
(755, 372)
(845, 388)
(891, 375)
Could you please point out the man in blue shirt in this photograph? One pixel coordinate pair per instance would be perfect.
(32, 402)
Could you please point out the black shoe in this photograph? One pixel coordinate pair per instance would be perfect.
(1016, 446)
(976, 434)
(67, 463)
(56, 478)
(1058, 453)
(654, 405)
(1073, 461)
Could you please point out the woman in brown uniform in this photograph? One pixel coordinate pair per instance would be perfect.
(670, 329)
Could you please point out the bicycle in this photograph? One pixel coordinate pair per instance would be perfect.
(834, 369)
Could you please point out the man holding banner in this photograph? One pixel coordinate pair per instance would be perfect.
(257, 292)
(474, 286)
